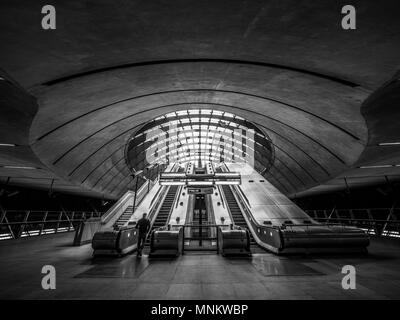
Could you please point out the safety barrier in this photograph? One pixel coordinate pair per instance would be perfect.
(375, 221)
(307, 237)
(16, 224)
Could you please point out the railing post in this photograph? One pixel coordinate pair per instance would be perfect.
(4, 218)
(389, 216)
(3, 215)
(58, 222)
(330, 215)
(373, 224)
(71, 221)
(44, 222)
(22, 226)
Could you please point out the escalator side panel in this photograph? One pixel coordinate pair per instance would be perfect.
(164, 241)
(235, 241)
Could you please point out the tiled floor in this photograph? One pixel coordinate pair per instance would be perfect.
(192, 276)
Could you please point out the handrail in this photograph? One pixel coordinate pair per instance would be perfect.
(145, 187)
(154, 208)
(360, 220)
(107, 216)
(51, 211)
(160, 195)
(395, 223)
(348, 209)
(177, 195)
(244, 196)
(178, 192)
(176, 198)
(155, 196)
(66, 221)
(119, 205)
(248, 212)
(39, 222)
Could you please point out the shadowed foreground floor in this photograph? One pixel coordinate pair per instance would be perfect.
(192, 276)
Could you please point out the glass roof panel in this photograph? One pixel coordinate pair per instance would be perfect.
(198, 133)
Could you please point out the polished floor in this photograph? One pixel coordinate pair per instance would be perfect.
(192, 276)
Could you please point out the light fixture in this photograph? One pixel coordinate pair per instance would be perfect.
(7, 145)
(389, 144)
(377, 166)
(19, 167)
(172, 183)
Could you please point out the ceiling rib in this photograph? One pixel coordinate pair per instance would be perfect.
(342, 81)
(186, 103)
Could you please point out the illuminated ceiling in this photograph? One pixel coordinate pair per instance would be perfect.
(200, 134)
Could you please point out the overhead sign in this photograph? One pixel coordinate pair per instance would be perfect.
(200, 190)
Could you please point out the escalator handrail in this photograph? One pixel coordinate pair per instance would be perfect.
(176, 197)
(160, 199)
(227, 205)
(156, 207)
(244, 196)
(155, 196)
(112, 211)
(121, 202)
(246, 210)
(243, 207)
(173, 169)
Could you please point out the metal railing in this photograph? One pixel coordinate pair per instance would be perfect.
(376, 221)
(16, 224)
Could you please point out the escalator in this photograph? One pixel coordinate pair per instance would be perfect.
(164, 212)
(280, 226)
(236, 214)
(125, 216)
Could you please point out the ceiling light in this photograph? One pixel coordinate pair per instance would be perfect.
(19, 167)
(377, 166)
(389, 144)
(7, 145)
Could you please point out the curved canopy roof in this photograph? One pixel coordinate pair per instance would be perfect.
(72, 98)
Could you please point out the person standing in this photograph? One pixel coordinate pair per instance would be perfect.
(143, 225)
